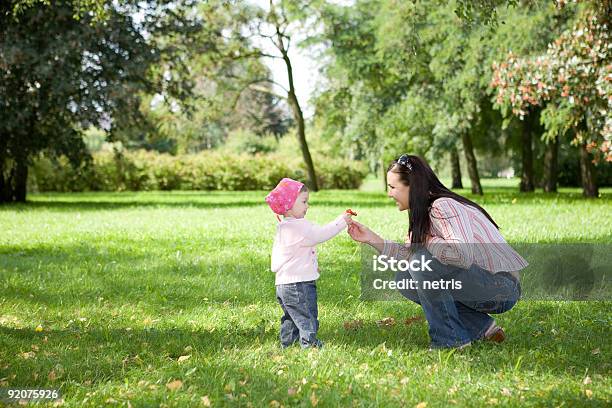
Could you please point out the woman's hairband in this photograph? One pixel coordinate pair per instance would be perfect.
(403, 161)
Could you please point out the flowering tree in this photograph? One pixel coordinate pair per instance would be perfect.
(572, 84)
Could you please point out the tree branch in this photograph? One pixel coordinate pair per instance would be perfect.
(266, 90)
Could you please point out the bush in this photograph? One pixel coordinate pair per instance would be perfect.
(145, 170)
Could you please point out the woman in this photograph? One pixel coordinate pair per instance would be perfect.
(463, 243)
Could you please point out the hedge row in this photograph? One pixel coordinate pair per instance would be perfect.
(144, 171)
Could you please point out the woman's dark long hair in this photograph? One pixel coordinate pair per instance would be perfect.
(425, 188)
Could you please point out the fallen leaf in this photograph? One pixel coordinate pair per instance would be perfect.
(595, 351)
(27, 355)
(493, 401)
(205, 401)
(174, 385)
(183, 358)
(353, 324)
(412, 320)
(587, 380)
(588, 393)
(452, 390)
(404, 381)
(274, 403)
(506, 392)
(421, 405)
(386, 322)
(52, 376)
(313, 399)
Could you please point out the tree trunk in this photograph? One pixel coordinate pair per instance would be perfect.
(470, 158)
(21, 181)
(383, 172)
(299, 118)
(13, 180)
(4, 193)
(587, 174)
(296, 109)
(455, 169)
(527, 177)
(550, 166)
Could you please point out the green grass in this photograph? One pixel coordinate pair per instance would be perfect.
(125, 284)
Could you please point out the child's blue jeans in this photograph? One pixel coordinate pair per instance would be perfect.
(300, 319)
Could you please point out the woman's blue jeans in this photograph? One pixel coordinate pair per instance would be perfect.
(457, 317)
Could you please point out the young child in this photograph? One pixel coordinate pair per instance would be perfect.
(294, 261)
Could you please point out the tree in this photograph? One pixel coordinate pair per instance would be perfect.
(571, 82)
(170, 128)
(386, 56)
(244, 29)
(62, 71)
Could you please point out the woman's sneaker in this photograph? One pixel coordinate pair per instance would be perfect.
(495, 333)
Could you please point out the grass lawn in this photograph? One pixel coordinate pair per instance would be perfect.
(148, 299)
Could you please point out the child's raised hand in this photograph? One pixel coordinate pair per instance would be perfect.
(347, 218)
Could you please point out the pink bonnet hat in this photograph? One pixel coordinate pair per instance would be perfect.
(282, 198)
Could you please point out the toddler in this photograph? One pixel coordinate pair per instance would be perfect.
(294, 261)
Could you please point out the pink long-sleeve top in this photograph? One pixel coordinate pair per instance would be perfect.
(294, 256)
(461, 236)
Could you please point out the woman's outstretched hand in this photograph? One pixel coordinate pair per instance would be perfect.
(361, 233)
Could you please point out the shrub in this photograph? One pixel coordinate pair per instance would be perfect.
(212, 170)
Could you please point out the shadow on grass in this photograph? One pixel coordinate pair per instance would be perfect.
(220, 199)
(78, 274)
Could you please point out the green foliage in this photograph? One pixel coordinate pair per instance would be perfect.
(245, 141)
(414, 76)
(147, 171)
(571, 82)
(60, 74)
